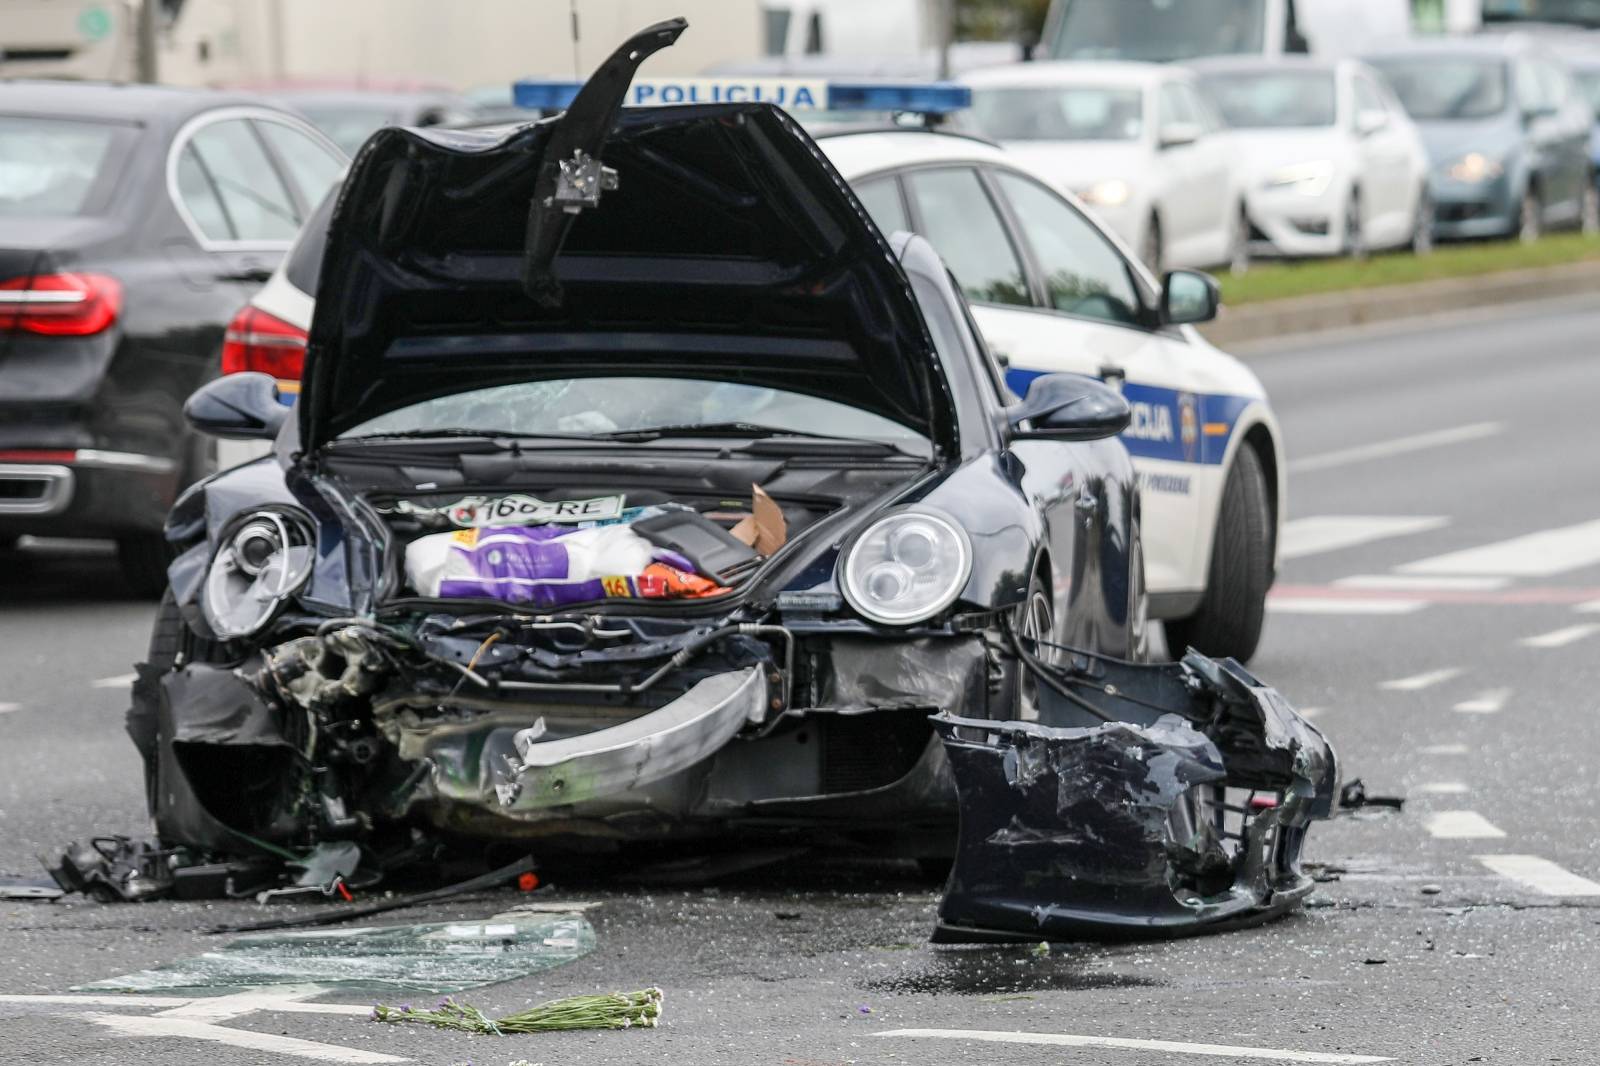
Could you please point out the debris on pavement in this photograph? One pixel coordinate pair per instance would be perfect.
(22, 888)
(619, 1010)
(437, 958)
(1354, 796)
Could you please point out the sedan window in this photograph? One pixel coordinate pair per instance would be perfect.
(53, 166)
(256, 202)
(958, 218)
(312, 167)
(1447, 87)
(1084, 274)
(881, 198)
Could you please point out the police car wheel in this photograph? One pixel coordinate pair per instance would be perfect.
(1229, 619)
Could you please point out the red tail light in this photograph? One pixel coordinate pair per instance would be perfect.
(258, 341)
(60, 305)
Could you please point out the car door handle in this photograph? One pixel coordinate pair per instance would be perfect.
(253, 275)
(1086, 503)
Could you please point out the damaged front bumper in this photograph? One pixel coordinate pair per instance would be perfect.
(1147, 801)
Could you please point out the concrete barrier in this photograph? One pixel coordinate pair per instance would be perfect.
(1355, 307)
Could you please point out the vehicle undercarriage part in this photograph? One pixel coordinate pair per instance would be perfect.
(1178, 806)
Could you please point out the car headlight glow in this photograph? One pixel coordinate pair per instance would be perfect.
(263, 560)
(907, 567)
(1474, 168)
(1307, 179)
(1113, 192)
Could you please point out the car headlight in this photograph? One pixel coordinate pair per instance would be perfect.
(263, 560)
(907, 567)
(1474, 168)
(1307, 179)
(1113, 192)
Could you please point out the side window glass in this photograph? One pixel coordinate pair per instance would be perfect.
(252, 195)
(1174, 108)
(1367, 97)
(961, 222)
(1529, 93)
(311, 167)
(1552, 87)
(1197, 108)
(1084, 273)
(881, 198)
(200, 197)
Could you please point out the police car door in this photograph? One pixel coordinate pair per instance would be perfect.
(1093, 317)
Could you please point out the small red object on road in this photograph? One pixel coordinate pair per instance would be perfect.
(528, 882)
(338, 883)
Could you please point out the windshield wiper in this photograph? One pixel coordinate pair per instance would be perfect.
(441, 434)
(719, 429)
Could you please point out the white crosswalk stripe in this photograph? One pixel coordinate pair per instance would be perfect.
(1560, 638)
(1418, 682)
(1325, 533)
(1462, 825)
(1541, 875)
(1551, 551)
(1487, 702)
(1341, 605)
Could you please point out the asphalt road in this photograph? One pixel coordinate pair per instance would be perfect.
(1465, 682)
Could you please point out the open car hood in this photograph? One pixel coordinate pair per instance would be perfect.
(728, 250)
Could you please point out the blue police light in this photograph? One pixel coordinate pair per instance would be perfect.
(792, 94)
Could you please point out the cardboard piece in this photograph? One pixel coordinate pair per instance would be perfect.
(763, 528)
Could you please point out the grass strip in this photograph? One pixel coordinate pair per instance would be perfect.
(1278, 281)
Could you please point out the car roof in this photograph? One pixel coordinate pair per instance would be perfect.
(395, 99)
(1074, 72)
(115, 101)
(855, 154)
(1265, 64)
(1482, 44)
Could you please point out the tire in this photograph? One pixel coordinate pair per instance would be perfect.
(1233, 608)
(1239, 250)
(172, 644)
(1151, 250)
(1422, 227)
(1138, 603)
(1530, 216)
(144, 558)
(1355, 241)
(1035, 621)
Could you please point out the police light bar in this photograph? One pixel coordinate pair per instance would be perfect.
(791, 94)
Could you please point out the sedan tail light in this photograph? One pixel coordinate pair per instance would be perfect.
(256, 340)
(60, 305)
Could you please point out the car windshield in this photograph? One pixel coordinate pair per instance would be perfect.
(600, 406)
(1158, 30)
(1576, 12)
(348, 126)
(1589, 82)
(51, 167)
(1064, 113)
(1276, 100)
(1447, 87)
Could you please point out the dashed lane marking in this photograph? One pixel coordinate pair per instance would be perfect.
(1359, 596)
(1491, 701)
(1282, 604)
(1399, 446)
(7, 708)
(1541, 875)
(1175, 1047)
(1560, 638)
(120, 681)
(1420, 583)
(1443, 749)
(1310, 712)
(1551, 551)
(1588, 607)
(1442, 788)
(1418, 682)
(1326, 533)
(1462, 825)
(158, 1026)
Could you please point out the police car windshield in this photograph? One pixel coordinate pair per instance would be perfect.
(1298, 99)
(605, 406)
(1066, 113)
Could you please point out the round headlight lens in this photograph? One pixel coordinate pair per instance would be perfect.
(907, 567)
(259, 566)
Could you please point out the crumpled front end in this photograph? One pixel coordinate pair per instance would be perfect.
(1147, 801)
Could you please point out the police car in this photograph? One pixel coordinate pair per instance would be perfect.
(1051, 289)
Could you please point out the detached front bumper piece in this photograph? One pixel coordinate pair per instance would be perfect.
(1148, 801)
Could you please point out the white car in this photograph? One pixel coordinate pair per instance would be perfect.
(1135, 141)
(1051, 290)
(1333, 165)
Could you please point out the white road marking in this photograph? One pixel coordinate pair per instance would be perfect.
(120, 681)
(1418, 682)
(1399, 446)
(1490, 701)
(1175, 1047)
(7, 708)
(1441, 788)
(1551, 551)
(1560, 638)
(1462, 825)
(159, 1026)
(1592, 607)
(103, 1001)
(1310, 712)
(1419, 583)
(1326, 533)
(1340, 605)
(1541, 875)
(1444, 749)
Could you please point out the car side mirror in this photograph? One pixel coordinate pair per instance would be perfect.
(241, 406)
(1371, 121)
(1178, 134)
(1189, 297)
(1530, 115)
(1069, 407)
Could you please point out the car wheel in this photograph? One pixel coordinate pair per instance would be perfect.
(1138, 603)
(1355, 240)
(1590, 219)
(1231, 612)
(172, 644)
(1530, 218)
(1152, 250)
(1422, 226)
(1239, 246)
(144, 558)
(1035, 622)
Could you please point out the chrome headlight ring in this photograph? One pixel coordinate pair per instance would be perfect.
(906, 566)
(262, 559)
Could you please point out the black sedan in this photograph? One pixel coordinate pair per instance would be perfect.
(135, 221)
(641, 491)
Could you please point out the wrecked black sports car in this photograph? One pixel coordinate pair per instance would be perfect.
(640, 490)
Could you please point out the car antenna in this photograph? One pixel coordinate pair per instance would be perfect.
(572, 176)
